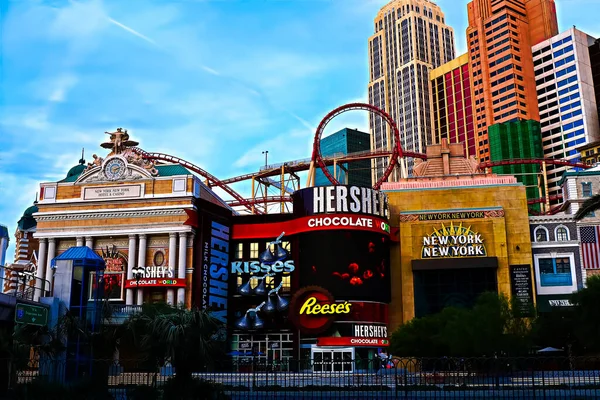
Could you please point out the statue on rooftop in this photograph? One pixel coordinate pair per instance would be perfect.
(119, 141)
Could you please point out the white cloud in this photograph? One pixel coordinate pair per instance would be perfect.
(61, 86)
(78, 20)
(36, 120)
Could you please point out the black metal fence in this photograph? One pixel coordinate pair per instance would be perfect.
(398, 378)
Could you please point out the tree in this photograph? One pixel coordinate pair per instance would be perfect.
(492, 327)
(589, 206)
(183, 337)
(587, 315)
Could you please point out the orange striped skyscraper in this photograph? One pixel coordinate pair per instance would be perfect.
(499, 37)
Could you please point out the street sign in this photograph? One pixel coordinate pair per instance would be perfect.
(31, 315)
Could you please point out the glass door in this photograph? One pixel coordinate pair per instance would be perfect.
(333, 360)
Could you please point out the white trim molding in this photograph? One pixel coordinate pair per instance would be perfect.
(555, 289)
(122, 231)
(110, 215)
(556, 234)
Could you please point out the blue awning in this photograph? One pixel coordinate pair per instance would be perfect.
(82, 255)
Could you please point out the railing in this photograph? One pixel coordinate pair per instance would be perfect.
(414, 378)
(23, 284)
(112, 314)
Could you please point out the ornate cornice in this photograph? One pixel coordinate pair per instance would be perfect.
(452, 215)
(111, 215)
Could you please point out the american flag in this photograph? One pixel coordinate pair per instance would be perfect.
(590, 246)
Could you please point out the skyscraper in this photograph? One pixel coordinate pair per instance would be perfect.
(411, 38)
(499, 37)
(453, 105)
(568, 109)
(343, 142)
(518, 140)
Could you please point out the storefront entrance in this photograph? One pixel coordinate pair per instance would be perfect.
(332, 360)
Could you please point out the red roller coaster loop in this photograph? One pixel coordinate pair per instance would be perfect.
(317, 158)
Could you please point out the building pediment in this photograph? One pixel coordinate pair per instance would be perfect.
(117, 168)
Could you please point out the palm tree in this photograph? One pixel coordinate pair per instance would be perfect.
(589, 206)
(183, 337)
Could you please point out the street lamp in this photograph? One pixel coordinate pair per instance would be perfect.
(266, 153)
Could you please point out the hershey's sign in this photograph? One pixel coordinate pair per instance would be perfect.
(370, 331)
(156, 272)
(216, 271)
(349, 199)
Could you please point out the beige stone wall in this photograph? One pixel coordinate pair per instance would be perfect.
(505, 237)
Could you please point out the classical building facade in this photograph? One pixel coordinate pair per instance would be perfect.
(19, 276)
(577, 187)
(556, 260)
(133, 213)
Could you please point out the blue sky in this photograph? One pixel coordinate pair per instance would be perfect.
(215, 82)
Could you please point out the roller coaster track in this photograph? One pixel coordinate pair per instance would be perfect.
(543, 199)
(304, 164)
(539, 161)
(211, 179)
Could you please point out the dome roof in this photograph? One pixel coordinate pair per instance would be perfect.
(78, 169)
(30, 210)
(27, 221)
(75, 171)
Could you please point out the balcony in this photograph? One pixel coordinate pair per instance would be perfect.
(552, 280)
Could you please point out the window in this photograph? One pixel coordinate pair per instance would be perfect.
(541, 234)
(562, 234)
(565, 40)
(239, 251)
(586, 189)
(555, 271)
(253, 250)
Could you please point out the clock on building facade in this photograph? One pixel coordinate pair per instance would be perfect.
(114, 168)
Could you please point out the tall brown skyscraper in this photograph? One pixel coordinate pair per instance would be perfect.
(411, 38)
(500, 36)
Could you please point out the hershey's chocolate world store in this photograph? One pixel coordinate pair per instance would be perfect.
(312, 285)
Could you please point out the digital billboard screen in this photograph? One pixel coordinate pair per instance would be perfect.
(351, 264)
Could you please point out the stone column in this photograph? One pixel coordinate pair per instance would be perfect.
(41, 270)
(51, 255)
(141, 263)
(181, 267)
(130, 266)
(172, 265)
(89, 242)
(79, 241)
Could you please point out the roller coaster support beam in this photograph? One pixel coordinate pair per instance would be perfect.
(545, 177)
(282, 210)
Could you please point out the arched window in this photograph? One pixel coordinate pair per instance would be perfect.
(561, 233)
(541, 234)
